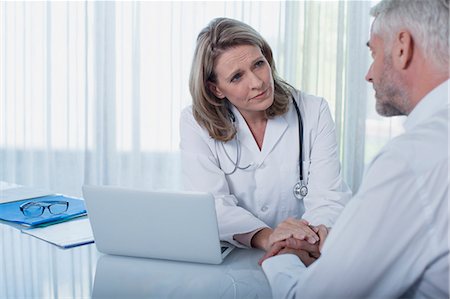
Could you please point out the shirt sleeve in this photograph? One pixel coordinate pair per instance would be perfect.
(328, 193)
(283, 270)
(201, 172)
(368, 254)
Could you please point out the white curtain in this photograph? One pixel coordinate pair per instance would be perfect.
(91, 92)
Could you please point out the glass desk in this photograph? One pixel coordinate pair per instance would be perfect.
(32, 268)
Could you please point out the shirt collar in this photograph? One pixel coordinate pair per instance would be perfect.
(435, 100)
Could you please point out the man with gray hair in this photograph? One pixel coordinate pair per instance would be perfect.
(392, 239)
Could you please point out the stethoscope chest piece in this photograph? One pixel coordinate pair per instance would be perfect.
(300, 191)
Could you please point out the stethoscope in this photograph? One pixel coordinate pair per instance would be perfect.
(300, 189)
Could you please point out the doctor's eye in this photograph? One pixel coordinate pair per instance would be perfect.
(236, 78)
(259, 63)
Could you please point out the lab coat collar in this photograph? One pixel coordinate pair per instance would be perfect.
(274, 130)
(434, 101)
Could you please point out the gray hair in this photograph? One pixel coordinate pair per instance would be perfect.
(427, 20)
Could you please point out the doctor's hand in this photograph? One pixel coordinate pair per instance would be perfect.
(307, 252)
(294, 228)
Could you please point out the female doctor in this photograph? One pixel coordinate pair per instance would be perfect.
(244, 141)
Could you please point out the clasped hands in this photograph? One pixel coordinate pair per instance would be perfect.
(297, 237)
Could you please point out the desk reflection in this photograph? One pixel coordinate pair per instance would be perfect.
(239, 276)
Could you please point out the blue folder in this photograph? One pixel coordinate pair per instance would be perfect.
(11, 211)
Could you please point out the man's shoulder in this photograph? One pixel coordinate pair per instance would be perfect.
(431, 135)
(421, 147)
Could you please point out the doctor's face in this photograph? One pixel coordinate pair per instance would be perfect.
(390, 93)
(244, 77)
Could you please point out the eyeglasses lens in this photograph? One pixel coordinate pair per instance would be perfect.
(33, 211)
(58, 208)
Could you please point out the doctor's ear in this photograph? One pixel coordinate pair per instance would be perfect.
(215, 90)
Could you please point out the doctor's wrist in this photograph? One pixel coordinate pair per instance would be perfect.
(261, 239)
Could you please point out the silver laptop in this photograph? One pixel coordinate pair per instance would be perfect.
(165, 225)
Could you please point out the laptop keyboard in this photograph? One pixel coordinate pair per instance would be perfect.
(223, 249)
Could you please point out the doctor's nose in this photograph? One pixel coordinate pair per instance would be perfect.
(255, 81)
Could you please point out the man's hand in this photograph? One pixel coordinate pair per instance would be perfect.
(308, 255)
(293, 228)
(307, 252)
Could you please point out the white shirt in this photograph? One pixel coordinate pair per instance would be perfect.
(392, 238)
(262, 195)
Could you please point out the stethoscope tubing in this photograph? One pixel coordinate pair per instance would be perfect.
(300, 189)
(300, 140)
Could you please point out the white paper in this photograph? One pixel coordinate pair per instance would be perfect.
(66, 234)
(12, 192)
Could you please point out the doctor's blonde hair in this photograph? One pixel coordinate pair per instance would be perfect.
(210, 111)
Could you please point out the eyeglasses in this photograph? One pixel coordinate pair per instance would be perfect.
(36, 209)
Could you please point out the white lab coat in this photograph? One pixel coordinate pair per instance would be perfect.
(262, 195)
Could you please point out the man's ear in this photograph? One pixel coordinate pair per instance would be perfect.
(215, 90)
(402, 50)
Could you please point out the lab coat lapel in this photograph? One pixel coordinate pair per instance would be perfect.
(274, 130)
(245, 135)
